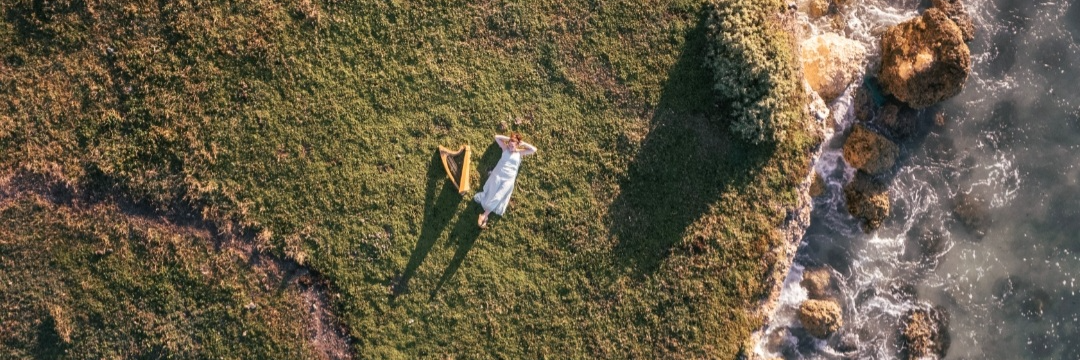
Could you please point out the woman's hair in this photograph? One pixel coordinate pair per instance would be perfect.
(514, 136)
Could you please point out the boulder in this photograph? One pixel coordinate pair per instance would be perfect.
(973, 212)
(925, 333)
(818, 8)
(954, 9)
(924, 60)
(863, 104)
(830, 63)
(817, 185)
(821, 318)
(867, 200)
(925, 244)
(867, 151)
(818, 283)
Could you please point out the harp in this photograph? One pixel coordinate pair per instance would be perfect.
(458, 166)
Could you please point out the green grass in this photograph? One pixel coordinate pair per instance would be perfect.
(88, 284)
(638, 230)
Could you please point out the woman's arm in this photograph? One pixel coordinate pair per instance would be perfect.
(501, 140)
(529, 148)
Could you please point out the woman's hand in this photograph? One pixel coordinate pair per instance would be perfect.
(503, 141)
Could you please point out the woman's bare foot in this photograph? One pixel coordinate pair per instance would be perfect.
(482, 221)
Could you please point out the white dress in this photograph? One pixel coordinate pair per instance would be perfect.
(500, 184)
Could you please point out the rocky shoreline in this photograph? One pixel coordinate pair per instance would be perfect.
(924, 60)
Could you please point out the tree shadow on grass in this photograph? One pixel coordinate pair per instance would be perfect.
(437, 214)
(685, 164)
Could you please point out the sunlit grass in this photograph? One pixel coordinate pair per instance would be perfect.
(638, 230)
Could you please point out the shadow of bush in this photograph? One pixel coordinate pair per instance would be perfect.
(686, 163)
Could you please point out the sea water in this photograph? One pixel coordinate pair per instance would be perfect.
(1011, 138)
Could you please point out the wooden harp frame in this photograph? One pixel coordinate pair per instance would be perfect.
(461, 183)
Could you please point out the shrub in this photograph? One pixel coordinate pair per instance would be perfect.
(754, 65)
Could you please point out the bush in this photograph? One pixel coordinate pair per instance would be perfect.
(754, 65)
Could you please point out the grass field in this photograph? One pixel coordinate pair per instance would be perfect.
(638, 230)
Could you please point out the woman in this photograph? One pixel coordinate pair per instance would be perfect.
(500, 183)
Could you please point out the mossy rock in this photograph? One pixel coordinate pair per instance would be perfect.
(868, 200)
(821, 318)
(924, 60)
(870, 152)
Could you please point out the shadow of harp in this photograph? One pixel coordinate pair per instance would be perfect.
(458, 165)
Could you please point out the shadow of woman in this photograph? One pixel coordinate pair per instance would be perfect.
(466, 231)
(438, 211)
(437, 214)
(464, 234)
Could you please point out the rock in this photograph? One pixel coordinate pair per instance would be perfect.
(954, 9)
(817, 185)
(849, 343)
(777, 339)
(903, 290)
(1035, 304)
(830, 63)
(899, 120)
(821, 318)
(818, 283)
(973, 212)
(1023, 298)
(888, 114)
(939, 119)
(818, 8)
(868, 200)
(926, 244)
(924, 60)
(863, 104)
(868, 151)
(925, 333)
(817, 106)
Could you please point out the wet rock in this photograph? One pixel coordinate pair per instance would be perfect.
(817, 185)
(868, 200)
(849, 343)
(904, 290)
(863, 104)
(1035, 304)
(821, 318)
(899, 120)
(777, 339)
(925, 333)
(931, 242)
(867, 151)
(818, 283)
(830, 63)
(865, 296)
(817, 106)
(954, 9)
(940, 148)
(973, 212)
(924, 60)
(1020, 297)
(939, 119)
(925, 241)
